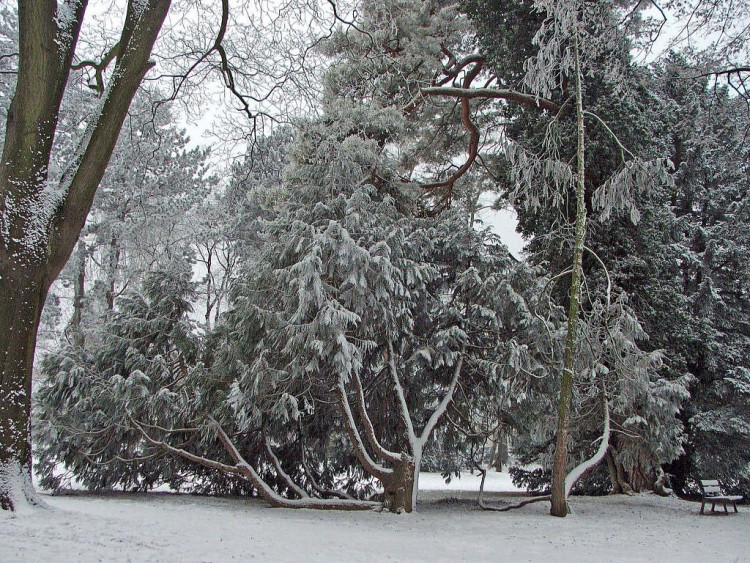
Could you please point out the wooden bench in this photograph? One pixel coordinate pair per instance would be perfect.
(712, 493)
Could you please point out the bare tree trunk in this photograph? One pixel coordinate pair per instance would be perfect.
(21, 305)
(617, 474)
(79, 297)
(617, 488)
(399, 487)
(113, 263)
(38, 231)
(559, 467)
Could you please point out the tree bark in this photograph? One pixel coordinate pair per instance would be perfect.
(559, 467)
(614, 480)
(22, 298)
(399, 486)
(40, 223)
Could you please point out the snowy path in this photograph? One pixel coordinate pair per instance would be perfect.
(165, 527)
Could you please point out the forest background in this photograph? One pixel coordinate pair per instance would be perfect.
(319, 318)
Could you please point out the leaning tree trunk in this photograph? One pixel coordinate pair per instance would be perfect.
(559, 467)
(40, 223)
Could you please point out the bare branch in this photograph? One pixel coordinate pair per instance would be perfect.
(492, 93)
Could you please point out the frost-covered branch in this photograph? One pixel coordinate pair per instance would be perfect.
(376, 469)
(582, 468)
(403, 407)
(280, 470)
(491, 93)
(443, 405)
(244, 470)
(379, 450)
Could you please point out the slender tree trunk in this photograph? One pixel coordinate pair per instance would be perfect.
(79, 296)
(113, 263)
(559, 467)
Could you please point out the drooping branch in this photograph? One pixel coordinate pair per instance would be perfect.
(280, 470)
(245, 471)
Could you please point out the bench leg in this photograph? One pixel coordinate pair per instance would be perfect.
(725, 508)
(703, 505)
(734, 504)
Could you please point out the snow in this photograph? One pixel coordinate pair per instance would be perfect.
(466, 483)
(169, 527)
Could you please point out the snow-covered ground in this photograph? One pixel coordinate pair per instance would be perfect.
(168, 527)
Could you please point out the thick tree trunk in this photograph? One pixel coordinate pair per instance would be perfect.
(22, 296)
(614, 479)
(400, 487)
(39, 225)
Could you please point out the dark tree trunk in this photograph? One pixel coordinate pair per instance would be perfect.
(21, 300)
(113, 263)
(38, 232)
(614, 479)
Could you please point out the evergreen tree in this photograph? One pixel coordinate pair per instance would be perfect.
(616, 117)
(710, 274)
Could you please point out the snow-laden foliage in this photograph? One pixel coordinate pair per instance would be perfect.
(350, 289)
(368, 290)
(372, 326)
(580, 44)
(708, 249)
(142, 366)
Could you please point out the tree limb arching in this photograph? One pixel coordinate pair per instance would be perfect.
(375, 444)
(244, 470)
(371, 466)
(571, 478)
(302, 493)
